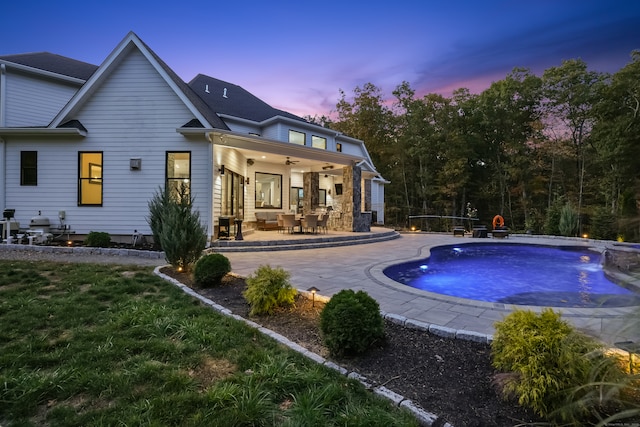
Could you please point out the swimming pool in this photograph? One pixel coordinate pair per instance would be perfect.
(519, 274)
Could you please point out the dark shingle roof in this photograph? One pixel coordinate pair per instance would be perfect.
(237, 103)
(54, 63)
(202, 107)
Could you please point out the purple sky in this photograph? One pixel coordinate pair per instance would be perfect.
(297, 55)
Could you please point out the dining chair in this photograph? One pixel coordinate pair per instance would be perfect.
(322, 222)
(289, 222)
(310, 222)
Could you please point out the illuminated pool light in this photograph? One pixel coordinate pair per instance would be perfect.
(424, 267)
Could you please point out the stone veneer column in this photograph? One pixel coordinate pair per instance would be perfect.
(311, 190)
(352, 217)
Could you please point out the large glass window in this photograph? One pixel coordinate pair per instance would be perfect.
(28, 168)
(178, 174)
(232, 201)
(296, 137)
(89, 178)
(268, 191)
(318, 142)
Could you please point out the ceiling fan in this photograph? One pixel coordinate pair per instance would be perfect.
(290, 162)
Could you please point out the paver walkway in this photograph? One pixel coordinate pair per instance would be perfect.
(360, 268)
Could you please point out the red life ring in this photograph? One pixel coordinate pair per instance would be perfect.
(498, 221)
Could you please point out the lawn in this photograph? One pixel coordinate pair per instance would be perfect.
(86, 344)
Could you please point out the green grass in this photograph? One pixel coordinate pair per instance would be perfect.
(94, 345)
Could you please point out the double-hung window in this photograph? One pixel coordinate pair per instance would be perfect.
(28, 168)
(90, 178)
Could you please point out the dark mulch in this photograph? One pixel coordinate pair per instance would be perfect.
(450, 378)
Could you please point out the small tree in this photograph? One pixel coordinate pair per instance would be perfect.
(180, 234)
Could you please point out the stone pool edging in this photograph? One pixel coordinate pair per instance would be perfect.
(424, 418)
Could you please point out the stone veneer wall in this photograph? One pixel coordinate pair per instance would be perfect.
(353, 219)
(311, 189)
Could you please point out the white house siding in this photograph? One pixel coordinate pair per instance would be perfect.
(377, 200)
(274, 132)
(134, 114)
(242, 128)
(34, 101)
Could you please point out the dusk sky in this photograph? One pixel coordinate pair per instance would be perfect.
(297, 55)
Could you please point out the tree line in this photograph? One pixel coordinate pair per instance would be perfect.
(554, 154)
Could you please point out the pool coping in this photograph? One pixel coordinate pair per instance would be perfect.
(377, 274)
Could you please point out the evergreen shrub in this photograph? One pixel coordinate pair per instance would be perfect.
(351, 322)
(267, 289)
(551, 362)
(568, 221)
(98, 239)
(210, 269)
(177, 227)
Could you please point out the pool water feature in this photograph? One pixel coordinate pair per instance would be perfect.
(516, 274)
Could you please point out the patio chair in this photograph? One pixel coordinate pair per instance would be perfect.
(280, 223)
(322, 222)
(289, 222)
(310, 222)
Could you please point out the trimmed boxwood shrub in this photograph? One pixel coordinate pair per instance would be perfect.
(351, 322)
(98, 239)
(267, 289)
(210, 269)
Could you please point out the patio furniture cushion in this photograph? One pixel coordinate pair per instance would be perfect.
(267, 220)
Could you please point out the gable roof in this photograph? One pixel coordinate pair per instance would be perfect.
(53, 63)
(232, 100)
(199, 109)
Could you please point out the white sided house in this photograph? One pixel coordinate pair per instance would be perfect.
(88, 147)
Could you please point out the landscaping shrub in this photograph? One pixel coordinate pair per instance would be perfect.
(604, 225)
(267, 289)
(210, 269)
(568, 221)
(179, 232)
(351, 322)
(98, 239)
(158, 207)
(552, 217)
(550, 361)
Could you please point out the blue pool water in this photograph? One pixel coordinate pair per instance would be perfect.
(516, 274)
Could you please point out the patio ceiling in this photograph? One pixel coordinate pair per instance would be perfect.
(305, 159)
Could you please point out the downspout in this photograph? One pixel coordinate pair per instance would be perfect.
(3, 95)
(3, 182)
(210, 219)
(3, 145)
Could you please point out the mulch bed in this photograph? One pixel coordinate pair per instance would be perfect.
(450, 378)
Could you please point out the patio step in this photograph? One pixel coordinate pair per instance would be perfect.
(297, 244)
